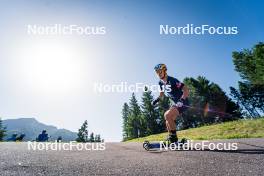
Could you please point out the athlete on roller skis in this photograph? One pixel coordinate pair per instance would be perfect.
(178, 96)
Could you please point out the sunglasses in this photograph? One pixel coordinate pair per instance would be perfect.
(159, 71)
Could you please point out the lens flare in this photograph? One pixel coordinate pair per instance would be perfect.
(206, 109)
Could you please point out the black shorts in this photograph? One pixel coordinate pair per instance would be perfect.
(180, 109)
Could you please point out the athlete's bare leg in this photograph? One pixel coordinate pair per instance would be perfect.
(170, 117)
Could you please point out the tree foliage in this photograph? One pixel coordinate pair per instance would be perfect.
(97, 138)
(135, 123)
(249, 63)
(2, 130)
(83, 132)
(91, 139)
(209, 104)
(150, 114)
(125, 115)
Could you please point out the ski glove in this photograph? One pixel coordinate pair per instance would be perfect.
(155, 101)
(180, 103)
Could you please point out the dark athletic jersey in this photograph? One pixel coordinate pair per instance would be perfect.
(174, 92)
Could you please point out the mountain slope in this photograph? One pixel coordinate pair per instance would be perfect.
(32, 128)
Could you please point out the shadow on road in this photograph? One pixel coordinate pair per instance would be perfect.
(242, 151)
(256, 150)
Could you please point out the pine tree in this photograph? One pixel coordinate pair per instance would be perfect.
(150, 114)
(135, 122)
(83, 133)
(125, 114)
(91, 139)
(97, 138)
(249, 63)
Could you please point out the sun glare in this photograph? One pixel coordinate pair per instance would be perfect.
(52, 67)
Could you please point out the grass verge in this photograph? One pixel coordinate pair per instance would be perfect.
(228, 130)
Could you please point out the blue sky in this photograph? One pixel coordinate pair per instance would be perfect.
(127, 53)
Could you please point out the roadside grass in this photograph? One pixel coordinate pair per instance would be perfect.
(228, 130)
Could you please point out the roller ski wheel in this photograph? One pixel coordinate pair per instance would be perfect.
(146, 145)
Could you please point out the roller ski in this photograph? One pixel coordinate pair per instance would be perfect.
(164, 144)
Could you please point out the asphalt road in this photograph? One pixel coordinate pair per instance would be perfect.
(132, 159)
